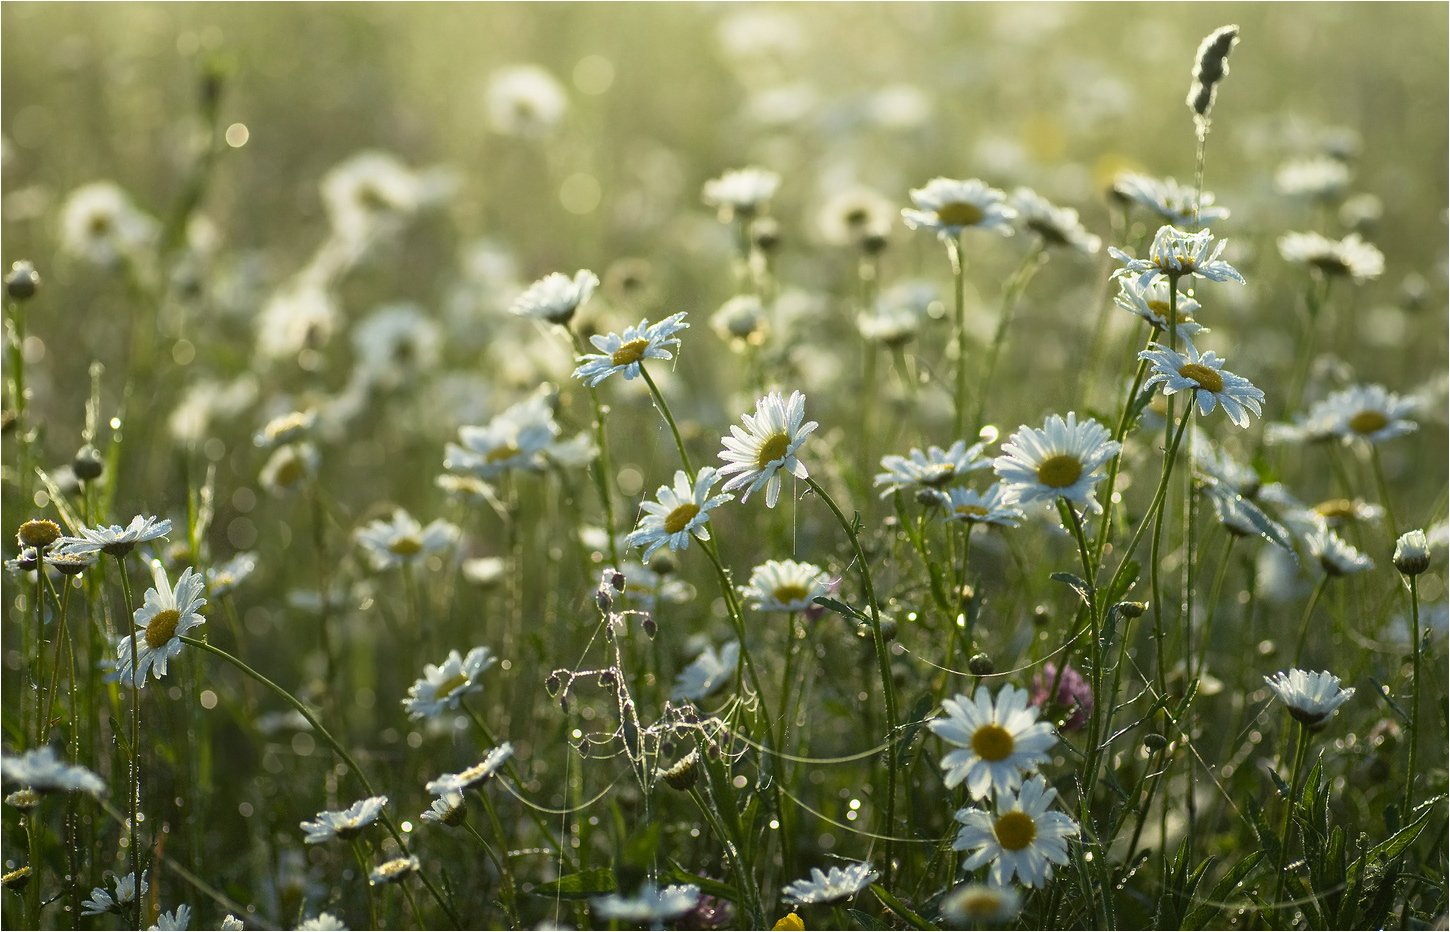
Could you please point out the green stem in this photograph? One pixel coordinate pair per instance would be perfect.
(664, 409)
(366, 875)
(601, 468)
(1011, 294)
(1301, 751)
(134, 791)
(509, 894)
(748, 891)
(1116, 463)
(1214, 594)
(1412, 770)
(1384, 490)
(1304, 621)
(959, 334)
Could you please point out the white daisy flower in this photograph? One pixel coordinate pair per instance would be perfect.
(492, 762)
(1318, 178)
(1150, 302)
(394, 871)
(443, 686)
(103, 901)
(166, 615)
(949, 206)
(785, 586)
(224, 577)
(995, 506)
(555, 297)
(1412, 553)
(322, 922)
(300, 315)
(981, 905)
(172, 922)
(524, 101)
(1351, 256)
(1059, 461)
(447, 809)
(402, 540)
(116, 540)
(678, 513)
(999, 740)
(856, 217)
(626, 352)
(891, 325)
(289, 467)
(286, 428)
(1370, 413)
(837, 883)
(1335, 512)
(650, 904)
(1311, 697)
(1335, 555)
(1203, 375)
(395, 344)
(1023, 840)
(707, 673)
(1058, 226)
(99, 223)
(515, 439)
(373, 193)
(934, 469)
(1170, 201)
(345, 824)
(741, 192)
(232, 924)
(1213, 462)
(766, 446)
(42, 770)
(1241, 517)
(741, 320)
(576, 452)
(1175, 254)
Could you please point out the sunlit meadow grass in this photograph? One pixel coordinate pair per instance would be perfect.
(742, 466)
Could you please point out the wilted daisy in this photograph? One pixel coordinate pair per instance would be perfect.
(949, 206)
(785, 586)
(99, 223)
(1311, 697)
(1059, 461)
(1150, 301)
(999, 740)
(492, 762)
(116, 540)
(934, 469)
(447, 809)
(995, 506)
(624, 353)
(168, 613)
(1335, 555)
(394, 871)
(1058, 226)
(981, 904)
(1241, 517)
(515, 439)
(650, 904)
(443, 686)
(1339, 511)
(1203, 375)
(402, 540)
(1370, 413)
(42, 770)
(1170, 201)
(678, 513)
(103, 901)
(1175, 254)
(345, 824)
(707, 673)
(1023, 840)
(766, 446)
(524, 100)
(322, 922)
(172, 922)
(555, 297)
(1318, 178)
(837, 883)
(1351, 256)
(741, 192)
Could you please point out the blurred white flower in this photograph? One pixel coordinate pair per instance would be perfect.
(1351, 256)
(524, 100)
(99, 223)
(1170, 201)
(1318, 178)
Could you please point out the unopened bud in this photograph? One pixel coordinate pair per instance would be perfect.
(766, 234)
(87, 464)
(981, 665)
(1412, 553)
(1132, 609)
(1154, 741)
(683, 775)
(22, 281)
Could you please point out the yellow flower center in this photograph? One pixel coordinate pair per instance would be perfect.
(1015, 830)
(633, 351)
(1205, 377)
(1060, 471)
(992, 743)
(100, 224)
(938, 474)
(1336, 508)
(790, 592)
(38, 532)
(676, 520)
(772, 449)
(162, 628)
(449, 686)
(982, 906)
(971, 511)
(498, 454)
(959, 214)
(290, 471)
(1367, 422)
(406, 546)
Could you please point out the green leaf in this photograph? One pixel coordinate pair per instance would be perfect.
(1077, 584)
(924, 704)
(841, 608)
(1200, 916)
(709, 887)
(577, 886)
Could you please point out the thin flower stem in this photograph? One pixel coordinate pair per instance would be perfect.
(1153, 508)
(1301, 751)
(36, 664)
(883, 661)
(62, 641)
(337, 749)
(1011, 294)
(1411, 770)
(1095, 646)
(509, 893)
(134, 791)
(1377, 466)
(366, 875)
(1213, 597)
(1116, 463)
(664, 410)
(1308, 613)
(959, 334)
(601, 468)
(413, 905)
(738, 867)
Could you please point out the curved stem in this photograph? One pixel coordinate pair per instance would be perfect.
(601, 466)
(664, 410)
(1011, 294)
(959, 334)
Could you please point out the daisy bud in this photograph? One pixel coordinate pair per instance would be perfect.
(683, 774)
(1412, 553)
(981, 665)
(22, 281)
(1132, 609)
(40, 533)
(888, 629)
(765, 233)
(87, 464)
(1154, 741)
(24, 799)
